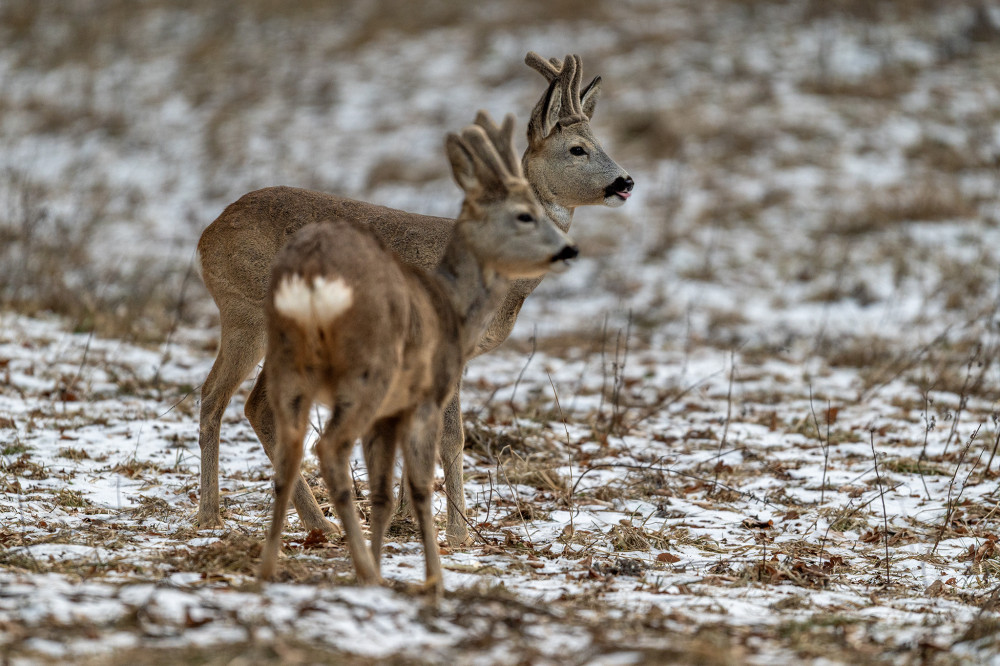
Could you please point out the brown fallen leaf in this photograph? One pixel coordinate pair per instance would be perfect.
(315, 539)
(757, 524)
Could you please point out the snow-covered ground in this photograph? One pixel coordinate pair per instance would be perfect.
(773, 367)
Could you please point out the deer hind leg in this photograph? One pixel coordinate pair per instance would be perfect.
(380, 460)
(452, 448)
(420, 454)
(291, 418)
(241, 346)
(258, 411)
(353, 415)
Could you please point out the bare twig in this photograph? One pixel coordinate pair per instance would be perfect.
(468, 522)
(527, 362)
(569, 449)
(996, 441)
(963, 399)
(825, 446)
(513, 493)
(910, 363)
(175, 404)
(617, 415)
(729, 414)
(929, 423)
(79, 370)
(175, 320)
(885, 517)
(489, 502)
(950, 504)
(604, 366)
(664, 402)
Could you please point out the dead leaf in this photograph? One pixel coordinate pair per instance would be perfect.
(831, 415)
(316, 539)
(757, 524)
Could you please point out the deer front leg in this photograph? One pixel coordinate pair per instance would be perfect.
(380, 459)
(452, 448)
(419, 453)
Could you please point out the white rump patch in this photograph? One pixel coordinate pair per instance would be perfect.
(312, 305)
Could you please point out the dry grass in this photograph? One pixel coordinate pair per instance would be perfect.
(919, 202)
(282, 651)
(880, 86)
(49, 264)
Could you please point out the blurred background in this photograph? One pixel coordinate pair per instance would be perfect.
(813, 176)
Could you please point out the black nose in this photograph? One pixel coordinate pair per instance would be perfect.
(621, 184)
(568, 252)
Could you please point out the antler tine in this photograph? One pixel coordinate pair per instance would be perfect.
(573, 89)
(502, 139)
(569, 84)
(547, 68)
(488, 161)
(507, 133)
(579, 84)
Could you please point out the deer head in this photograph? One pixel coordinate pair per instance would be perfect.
(565, 161)
(502, 221)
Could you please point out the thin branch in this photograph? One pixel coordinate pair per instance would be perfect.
(950, 505)
(569, 449)
(729, 415)
(929, 423)
(885, 517)
(513, 493)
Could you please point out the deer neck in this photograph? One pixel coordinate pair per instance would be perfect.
(561, 214)
(474, 290)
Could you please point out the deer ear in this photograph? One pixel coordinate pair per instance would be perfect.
(551, 108)
(588, 98)
(463, 165)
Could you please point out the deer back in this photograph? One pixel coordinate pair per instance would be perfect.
(237, 250)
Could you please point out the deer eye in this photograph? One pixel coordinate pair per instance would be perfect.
(577, 150)
(525, 217)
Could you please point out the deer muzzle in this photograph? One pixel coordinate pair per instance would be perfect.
(621, 188)
(568, 252)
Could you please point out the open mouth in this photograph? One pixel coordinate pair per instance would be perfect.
(620, 190)
(558, 267)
